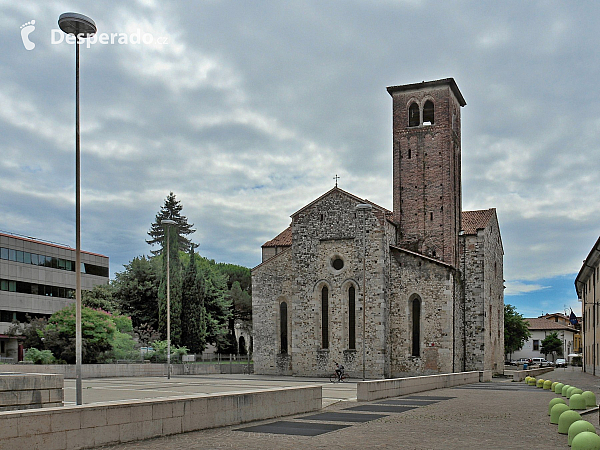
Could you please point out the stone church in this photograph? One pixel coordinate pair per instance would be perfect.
(413, 291)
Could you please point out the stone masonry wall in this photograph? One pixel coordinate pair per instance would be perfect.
(433, 282)
(329, 229)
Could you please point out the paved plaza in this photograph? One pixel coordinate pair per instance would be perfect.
(495, 415)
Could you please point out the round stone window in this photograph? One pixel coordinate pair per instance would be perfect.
(337, 263)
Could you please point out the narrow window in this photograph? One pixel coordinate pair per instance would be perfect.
(413, 115)
(416, 327)
(428, 113)
(325, 317)
(430, 216)
(536, 345)
(409, 153)
(351, 318)
(283, 332)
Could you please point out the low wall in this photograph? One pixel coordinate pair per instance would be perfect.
(376, 389)
(100, 424)
(30, 390)
(127, 370)
(519, 375)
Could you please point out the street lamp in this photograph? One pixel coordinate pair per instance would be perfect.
(365, 208)
(81, 27)
(168, 224)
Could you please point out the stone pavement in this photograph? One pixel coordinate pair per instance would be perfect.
(496, 415)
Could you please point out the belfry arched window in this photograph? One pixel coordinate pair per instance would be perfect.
(351, 318)
(415, 310)
(414, 115)
(428, 116)
(283, 331)
(324, 317)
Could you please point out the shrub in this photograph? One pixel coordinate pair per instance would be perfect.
(39, 356)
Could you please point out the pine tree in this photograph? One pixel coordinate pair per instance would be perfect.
(175, 292)
(171, 210)
(193, 323)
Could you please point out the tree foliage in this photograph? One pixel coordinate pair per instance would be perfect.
(516, 330)
(552, 345)
(193, 325)
(171, 210)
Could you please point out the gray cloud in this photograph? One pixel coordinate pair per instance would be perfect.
(252, 107)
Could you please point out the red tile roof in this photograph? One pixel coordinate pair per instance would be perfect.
(545, 324)
(283, 239)
(476, 220)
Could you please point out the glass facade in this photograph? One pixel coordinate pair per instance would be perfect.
(23, 287)
(51, 261)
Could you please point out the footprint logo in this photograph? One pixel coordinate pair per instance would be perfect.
(26, 30)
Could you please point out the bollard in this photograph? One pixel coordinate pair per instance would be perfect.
(565, 389)
(579, 427)
(570, 391)
(558, 388)
(576, 391)
(586, 440)
(531, 381)
(527, 379)
(556, 411)
(555, 401)
(590, 398)
(553, 386)
(577, 401)
(547, 385)
(539, 383)
(566, 419)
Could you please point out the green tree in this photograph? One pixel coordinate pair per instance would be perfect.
(516, 330)
(552, 345)
(97, 330)
(136, 292)
(100, 297)
(193, 323)
(218, 308)
(171, 210)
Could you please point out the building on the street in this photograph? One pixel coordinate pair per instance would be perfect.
(416, 290)
(540, 328)
(37, 278)
(586, 285)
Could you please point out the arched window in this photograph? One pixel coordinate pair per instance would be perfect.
(325, 317)
(283, 331)
(416, 326)
(414, 119)
(351, 318)
(428, 118)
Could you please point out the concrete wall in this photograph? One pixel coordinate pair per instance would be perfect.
(519, 375)
(372, 390)
(30, 390)
(95, 425)
(128, 370)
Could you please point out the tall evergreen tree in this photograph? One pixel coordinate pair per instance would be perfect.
(516, 330)
(136, 291)
(171, 210)
(193, 320)
(174, 293)
(218, 307)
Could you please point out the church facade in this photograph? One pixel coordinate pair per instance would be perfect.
(417, 290)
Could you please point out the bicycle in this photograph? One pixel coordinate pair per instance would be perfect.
(334, 378)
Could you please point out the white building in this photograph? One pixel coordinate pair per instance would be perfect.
(540, 328)
(37, 279)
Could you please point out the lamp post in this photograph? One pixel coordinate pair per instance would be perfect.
(365, 208)
(168, 224)
(81, 27)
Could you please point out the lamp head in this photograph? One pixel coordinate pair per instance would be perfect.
(77, 24)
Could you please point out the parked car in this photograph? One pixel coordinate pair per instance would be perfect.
(541, 362)
(560, 362)
(523, 361)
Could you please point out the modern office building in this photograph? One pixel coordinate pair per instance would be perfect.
(37, 279)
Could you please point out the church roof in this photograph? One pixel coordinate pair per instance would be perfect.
(283, 239)
(476, 220)
(382, 211)
(545, 324)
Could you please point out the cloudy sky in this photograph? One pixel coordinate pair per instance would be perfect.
(246, 110)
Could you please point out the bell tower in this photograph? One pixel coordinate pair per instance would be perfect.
(427, 167)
